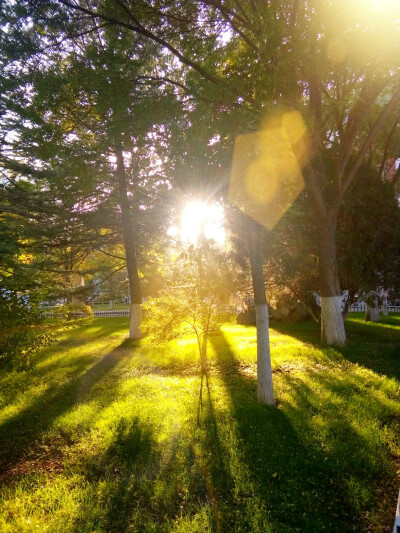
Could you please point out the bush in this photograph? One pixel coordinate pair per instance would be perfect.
(21, 330)
(71, 311)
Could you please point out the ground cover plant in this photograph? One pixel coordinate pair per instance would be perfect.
(102, 435)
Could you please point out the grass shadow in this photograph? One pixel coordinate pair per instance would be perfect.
(126, 472)
(307, 332)
(303, 486)
(140, 485)
(373, 345)
(21, 432)
(216, 473)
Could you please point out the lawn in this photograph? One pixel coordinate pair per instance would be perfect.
(106, 306)
(103, 435)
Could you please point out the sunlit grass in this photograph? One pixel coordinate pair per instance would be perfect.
(102, 434)
(106, 306)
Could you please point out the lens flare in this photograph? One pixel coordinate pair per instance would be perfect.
(266, 174)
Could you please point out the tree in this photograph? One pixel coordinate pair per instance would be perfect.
(265, 389)
(311, 56)
(368, 238)
(47, 236)
(194, 299)
(367, 243)
(95, 92)
(291, 256)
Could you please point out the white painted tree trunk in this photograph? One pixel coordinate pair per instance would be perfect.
(332, 322)
(372, 313)
(265, 389)
(135, 320)
(385, 309)
(111, 304)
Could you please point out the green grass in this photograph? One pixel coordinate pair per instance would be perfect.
(106, 306)
(102, 434)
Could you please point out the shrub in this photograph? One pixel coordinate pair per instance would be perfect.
(75, 310)
(21, 330)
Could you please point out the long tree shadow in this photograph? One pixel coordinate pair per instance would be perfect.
(373, 345)
(352, 416)
(303, 487)
(20, 433)
(126, 472)
(216, 473)
(145, 485)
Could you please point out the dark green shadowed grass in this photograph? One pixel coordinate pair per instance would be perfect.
(103, 434)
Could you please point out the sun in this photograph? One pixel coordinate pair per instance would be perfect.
(201, 219)
(378, 5)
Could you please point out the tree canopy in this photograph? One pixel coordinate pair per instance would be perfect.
(113, 113)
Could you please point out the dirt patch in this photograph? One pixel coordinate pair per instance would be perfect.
(49, 465)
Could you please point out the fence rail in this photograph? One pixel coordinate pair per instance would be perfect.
(357, 308)
(111, 312)
(107, 313)
(96, 314)
(363, 307)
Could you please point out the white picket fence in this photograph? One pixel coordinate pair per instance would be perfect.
(96, 314)
(111, 312)
(107, 313)
(363, 307)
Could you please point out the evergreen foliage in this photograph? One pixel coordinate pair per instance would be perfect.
(21, 330)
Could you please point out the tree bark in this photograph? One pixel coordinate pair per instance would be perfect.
(332, 321)
(350, 300)
(265, 388)
(135, 292)
(372, 313)
(385, 309)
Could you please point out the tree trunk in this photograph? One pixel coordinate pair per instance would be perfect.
(204, 353)
(372, 313)
(349, 302)
(265, 388)
(332, 321)
(385, 309)
(135, 293)
(135, 320)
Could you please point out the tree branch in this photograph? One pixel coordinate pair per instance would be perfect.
(23, 168)
(388, 141)
(354, 120)
(141, 30)
(394, 101)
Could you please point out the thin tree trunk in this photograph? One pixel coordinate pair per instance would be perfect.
(265, 388)
(202, 344)
(204, 352)
(332, 321)
(135, 293)
(349, 302)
